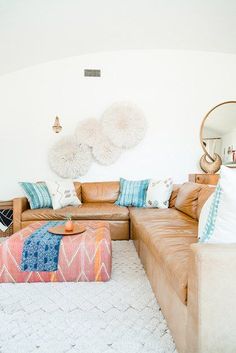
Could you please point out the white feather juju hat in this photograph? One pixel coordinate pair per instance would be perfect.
(104, 152)
(124, 124)
(70, 159)
(88, 131)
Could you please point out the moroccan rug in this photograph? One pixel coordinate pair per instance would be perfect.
(119, 316)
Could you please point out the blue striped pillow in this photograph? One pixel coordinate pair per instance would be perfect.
(37, 195)
(132, 193)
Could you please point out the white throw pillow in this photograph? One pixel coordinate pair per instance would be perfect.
(203, 218)
(63, 194)
(221, 221)
(158, 193)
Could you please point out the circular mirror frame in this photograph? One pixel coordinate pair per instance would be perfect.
(202, 126)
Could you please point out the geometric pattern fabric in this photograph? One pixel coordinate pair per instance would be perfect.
(118, 316)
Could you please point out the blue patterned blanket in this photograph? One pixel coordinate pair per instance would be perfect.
(41, 250)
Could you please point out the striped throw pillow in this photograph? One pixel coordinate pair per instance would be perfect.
(37, 195)
(132, 193)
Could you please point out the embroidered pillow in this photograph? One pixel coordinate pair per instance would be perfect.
(158, 193)
(63, 194)
(132, 193)
(37, 195)
(221, 221)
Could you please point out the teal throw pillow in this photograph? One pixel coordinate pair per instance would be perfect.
(37, 195)
(212, 205)
(132, 193)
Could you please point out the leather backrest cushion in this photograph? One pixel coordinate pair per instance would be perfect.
(204, 194)
(77, 185)
(100, 191)
(173, 195)
(187, 199)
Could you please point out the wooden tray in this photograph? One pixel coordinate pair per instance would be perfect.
(60, 230)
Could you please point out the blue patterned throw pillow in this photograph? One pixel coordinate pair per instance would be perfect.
(208, 216)
(132, 193)
(37, 195)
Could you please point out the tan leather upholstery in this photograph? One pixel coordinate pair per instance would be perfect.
(173, 309)
(203, 195)
(100, 192)
(101, 211)
(78, 189)
(187, 199)
(20, 204)
(167, 234)
(174, 195)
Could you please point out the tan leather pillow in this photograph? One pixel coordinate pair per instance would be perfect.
(106, 191)
(77, 185)
(204, 194)
(187, 199)
(173, 195)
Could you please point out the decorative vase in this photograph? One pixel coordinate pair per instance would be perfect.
(69, 226)
(210, 167)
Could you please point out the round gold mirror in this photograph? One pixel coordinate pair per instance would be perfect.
(218, 137)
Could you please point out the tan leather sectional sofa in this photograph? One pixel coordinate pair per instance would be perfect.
(97, 204)
(194, 283)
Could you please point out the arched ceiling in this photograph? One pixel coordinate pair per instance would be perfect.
(37, 31)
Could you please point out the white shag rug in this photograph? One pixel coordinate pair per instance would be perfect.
(119, 316)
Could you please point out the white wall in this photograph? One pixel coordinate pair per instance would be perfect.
(174, 88)
(34, 32)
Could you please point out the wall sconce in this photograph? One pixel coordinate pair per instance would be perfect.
(57, 127)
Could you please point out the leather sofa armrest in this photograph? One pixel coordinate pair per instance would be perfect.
(20, 205)
(211, 298)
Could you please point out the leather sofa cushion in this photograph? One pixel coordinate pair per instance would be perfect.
(102, 211)
(100, 192)
(173, 195)
(158, 216)
(187, 199)
(204, 194)
(78, 188)
(174, 255)
(168, 235)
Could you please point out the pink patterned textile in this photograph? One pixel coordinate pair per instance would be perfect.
(84, 257)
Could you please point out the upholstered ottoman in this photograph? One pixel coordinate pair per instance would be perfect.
(82, 257)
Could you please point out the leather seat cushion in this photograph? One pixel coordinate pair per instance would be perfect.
(159, 216)
(102, 211)
(168, 234)
(174, 255)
